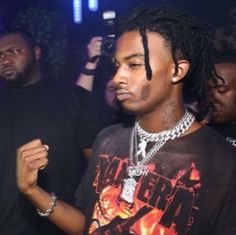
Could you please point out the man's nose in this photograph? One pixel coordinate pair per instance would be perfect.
(120, 76)
(212, 95)
(4, 59)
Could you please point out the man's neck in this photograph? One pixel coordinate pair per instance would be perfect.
(162, 120)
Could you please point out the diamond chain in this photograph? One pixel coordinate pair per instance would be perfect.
(162, 137)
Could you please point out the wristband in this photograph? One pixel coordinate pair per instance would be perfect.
(88, 72)
(49, 211)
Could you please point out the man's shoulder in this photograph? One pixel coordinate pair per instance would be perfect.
(228, 131)
(116, 132)
(114, 129)
(216, 144)
(68, 86)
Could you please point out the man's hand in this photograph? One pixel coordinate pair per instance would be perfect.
(94, 47)
(31, 158)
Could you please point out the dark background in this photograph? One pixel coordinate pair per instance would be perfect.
(215, 12)
(212, 11)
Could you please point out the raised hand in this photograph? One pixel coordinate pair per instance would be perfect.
(31, 158)
(94, 47)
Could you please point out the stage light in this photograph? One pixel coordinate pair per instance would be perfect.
(77, 5)
(93, 5)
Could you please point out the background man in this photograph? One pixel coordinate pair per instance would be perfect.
(35, 105)
(222, 95)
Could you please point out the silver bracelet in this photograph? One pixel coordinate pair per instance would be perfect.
(50, 209)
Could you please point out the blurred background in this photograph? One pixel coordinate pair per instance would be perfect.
(64, 27)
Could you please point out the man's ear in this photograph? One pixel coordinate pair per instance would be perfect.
(183, 67)
(37, 52)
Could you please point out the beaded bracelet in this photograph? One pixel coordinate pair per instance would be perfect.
(50, 209)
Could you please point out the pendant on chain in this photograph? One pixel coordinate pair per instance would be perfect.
(128, 190)
(137, 170)
(142, 149)
(129, 184)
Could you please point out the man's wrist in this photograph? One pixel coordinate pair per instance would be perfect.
(94, 59)
(88, 72)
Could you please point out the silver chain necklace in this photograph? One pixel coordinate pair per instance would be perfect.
(137, 168)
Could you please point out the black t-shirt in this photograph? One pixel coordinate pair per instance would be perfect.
(227, 130)
(190, 187)
(65, 118)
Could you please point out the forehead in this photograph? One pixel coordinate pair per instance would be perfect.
(12, 40)
(131, 43)
(227, 71)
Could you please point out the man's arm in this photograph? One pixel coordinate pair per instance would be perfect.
(32, 157)
(86, 78)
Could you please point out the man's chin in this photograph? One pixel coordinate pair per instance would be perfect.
(14, 81)
(218, 120)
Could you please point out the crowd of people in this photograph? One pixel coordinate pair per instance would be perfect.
(68, 168)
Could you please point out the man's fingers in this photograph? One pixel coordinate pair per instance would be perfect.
(36, 161)
(33, 155)
(96, 39)
(33, 151)
(37, 164)
(30, 145)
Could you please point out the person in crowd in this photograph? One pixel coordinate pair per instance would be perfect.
(33, 104)
(222, 95)
(163, 174)
(101, 84)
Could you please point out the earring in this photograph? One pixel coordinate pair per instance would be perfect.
(174, 79)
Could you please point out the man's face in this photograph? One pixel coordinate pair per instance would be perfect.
(136, 93)
(222, 96)
(16, 60)
(110, 95)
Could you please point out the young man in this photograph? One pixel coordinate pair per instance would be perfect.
(222, 95)
(163, 174)
(36, 105)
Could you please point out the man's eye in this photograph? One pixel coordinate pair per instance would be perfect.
(135, 65)
(222, 89)
(13, 51)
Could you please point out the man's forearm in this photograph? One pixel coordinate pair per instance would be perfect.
(66, 217)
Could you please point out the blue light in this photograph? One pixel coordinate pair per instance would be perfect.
(93, 5)
(77, 4)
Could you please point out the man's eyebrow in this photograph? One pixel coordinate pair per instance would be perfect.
(130, 57)
(133, 56)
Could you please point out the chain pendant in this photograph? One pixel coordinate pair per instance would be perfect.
(137, 170)
(142, 149)
(128, 190)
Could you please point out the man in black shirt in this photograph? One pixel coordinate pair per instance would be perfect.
(35, 105)
(222, 95)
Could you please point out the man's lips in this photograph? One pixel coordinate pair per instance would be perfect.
(7, 69)
(215, 112)
(122, 94)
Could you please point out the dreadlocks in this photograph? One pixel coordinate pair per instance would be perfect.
(186, 37)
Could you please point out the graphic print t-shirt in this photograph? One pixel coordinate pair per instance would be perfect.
(167, 200)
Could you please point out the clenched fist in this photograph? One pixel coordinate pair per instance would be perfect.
(31, 158)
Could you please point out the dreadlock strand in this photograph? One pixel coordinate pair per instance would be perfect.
(146, 54)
